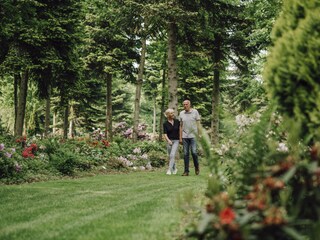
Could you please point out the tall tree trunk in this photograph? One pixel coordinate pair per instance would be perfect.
(25, 124)
(71, 121)
(54, 122)
(154, 116)
(47, 116)
(216, 90)
(17, 80)
(172, 67)
(215, 107)
(138, 91)
(163, 100)
(66, 120)
(22, 100)
(108, 123)
(71, 129)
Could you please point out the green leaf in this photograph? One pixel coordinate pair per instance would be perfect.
(294, 234)
(204, 222)
(286, 177)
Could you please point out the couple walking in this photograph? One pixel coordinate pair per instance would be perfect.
(185, 131)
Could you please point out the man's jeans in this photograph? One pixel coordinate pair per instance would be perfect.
(172, 150)
(190, 143)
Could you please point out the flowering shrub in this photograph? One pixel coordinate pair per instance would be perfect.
(137, 159)
(9, 165)
(22, 140)
(97, 134)
(30, 151)
(245, 152)
(283, 203)
(123, 130)
(54, 157)
(142, 155)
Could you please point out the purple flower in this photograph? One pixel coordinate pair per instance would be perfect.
(121, 125)
(17, 167)
(128, 132)
(1, 146)
(8, 155)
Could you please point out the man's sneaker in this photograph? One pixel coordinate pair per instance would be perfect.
(175, 171)
(197, 171)
(185, 174)
(168, 172)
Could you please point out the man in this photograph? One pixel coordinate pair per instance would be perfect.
(189, 128)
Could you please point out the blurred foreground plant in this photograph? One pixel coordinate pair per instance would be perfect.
(283, 202)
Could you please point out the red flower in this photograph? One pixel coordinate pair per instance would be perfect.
(29, 151)
(105, 143)
(227, 215)
(21, 139)
(34, 147)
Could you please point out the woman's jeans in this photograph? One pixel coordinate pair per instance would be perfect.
(190, 143)
(172, 150)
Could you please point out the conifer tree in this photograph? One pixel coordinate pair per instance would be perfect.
(293, 67)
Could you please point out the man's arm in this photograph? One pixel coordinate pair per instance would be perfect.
(199, 128)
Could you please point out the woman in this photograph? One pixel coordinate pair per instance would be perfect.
(171, 134)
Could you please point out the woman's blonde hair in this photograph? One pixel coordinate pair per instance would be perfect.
(169, 110)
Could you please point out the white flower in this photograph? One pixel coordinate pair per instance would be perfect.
(137, 150)
(42, 147)
(282, 147)
(144, 156)
(132, 157)
(224, 148)
(219, 152)
(148, 166)
(243, 121)
(125, 161)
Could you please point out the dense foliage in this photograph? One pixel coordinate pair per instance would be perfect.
(69, 49)
(265, 180)
(28, 160)
(292, 70)
(75, 65)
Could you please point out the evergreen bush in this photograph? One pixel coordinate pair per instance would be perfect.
(292, 71)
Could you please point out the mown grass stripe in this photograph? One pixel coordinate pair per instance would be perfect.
(139, 205)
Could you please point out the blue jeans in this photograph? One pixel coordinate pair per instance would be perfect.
(190, 143)
(172, 150)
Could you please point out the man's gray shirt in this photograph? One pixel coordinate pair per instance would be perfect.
(189, 123)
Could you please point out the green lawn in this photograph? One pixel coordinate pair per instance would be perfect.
(137, 205)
